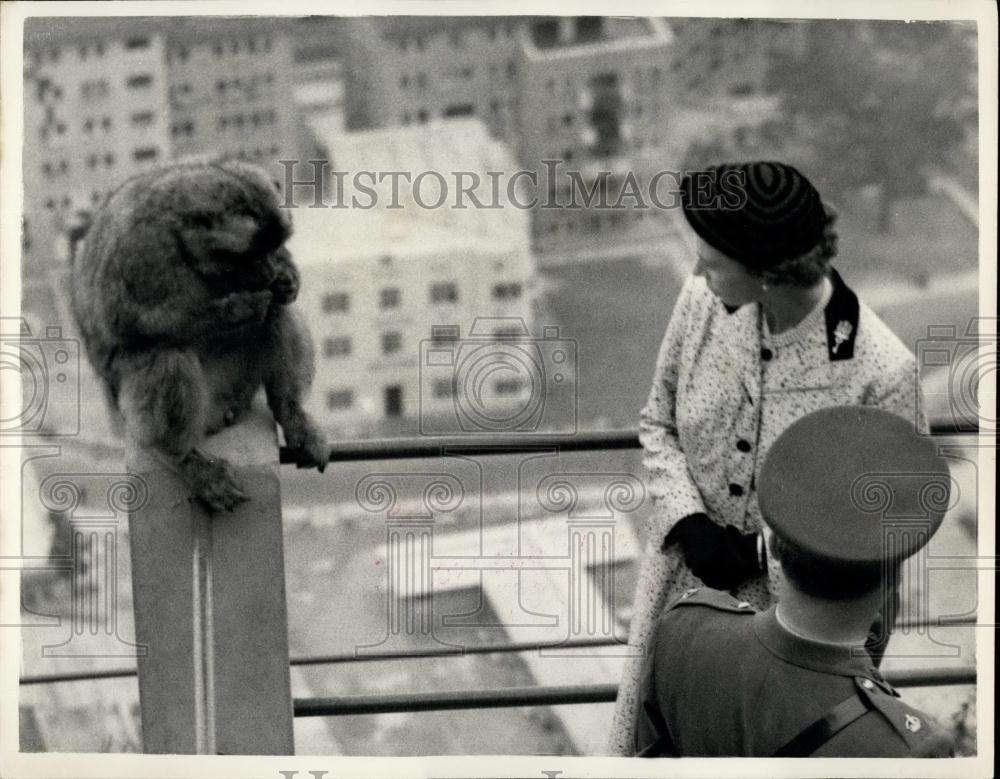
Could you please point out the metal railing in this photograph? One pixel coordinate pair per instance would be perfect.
(392, 449)
(505, 647)
(505, 444)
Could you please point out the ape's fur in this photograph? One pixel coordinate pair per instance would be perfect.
(181, 290)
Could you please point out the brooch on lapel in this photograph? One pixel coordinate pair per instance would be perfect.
(840, 334)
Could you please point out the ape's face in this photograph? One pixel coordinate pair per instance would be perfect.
(233, 225)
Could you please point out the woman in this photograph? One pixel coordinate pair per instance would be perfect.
(764, 332)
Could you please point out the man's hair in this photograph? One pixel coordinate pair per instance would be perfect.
(826, 579)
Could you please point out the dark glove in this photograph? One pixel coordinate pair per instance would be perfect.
(719, 555)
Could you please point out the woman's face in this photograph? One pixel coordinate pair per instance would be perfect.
(728, 279)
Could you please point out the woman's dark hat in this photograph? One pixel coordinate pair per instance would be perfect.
(758, 213)
(854, 484)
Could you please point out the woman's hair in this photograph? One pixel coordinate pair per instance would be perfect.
(825, 579)
(807, 269)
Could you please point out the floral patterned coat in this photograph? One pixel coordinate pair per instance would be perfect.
(724, 389)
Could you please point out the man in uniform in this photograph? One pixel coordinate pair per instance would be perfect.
(847, 495)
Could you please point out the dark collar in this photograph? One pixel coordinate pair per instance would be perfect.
(842, 313)
(814, 655)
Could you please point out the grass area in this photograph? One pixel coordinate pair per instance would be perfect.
(929, 236)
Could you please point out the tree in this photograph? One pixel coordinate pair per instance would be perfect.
(880, 103)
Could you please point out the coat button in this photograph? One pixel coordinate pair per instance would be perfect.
(743, 445)
(766, 354)
(868, 684)
(735, 490)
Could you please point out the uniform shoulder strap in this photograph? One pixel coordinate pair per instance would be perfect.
(713, 599)
(825, 728)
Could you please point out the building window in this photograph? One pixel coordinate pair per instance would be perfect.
(132, 44)
(339, 399)
(506, 291)
(145, 154)
(94, 89)
(461, 109)
(392, 342)
(182, 128)
(393, 401)
(142, 81)
(444, 334)
(445, 292)
(339, 346)
(388, 297)
(422, 116)
(508, 332)
(336, 303)
(444, 388)
(142, 119)
(508, 387)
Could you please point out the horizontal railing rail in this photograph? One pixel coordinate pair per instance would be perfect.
(344, 705)
(522, 443)
(506, 647)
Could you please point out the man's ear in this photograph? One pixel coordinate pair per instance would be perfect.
(769, 540)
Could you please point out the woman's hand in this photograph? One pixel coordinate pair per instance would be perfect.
(721, 556)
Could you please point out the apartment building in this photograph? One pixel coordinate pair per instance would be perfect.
(596, 95)
(590, 91)
(731, 57)
(383, 286)
(411, 70)
(107, 98)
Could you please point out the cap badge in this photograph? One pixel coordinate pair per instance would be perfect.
(913, 723)
(841, 333)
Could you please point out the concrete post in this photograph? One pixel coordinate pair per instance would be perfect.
(209, 599)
